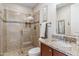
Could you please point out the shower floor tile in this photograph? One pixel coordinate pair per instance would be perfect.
(19, 52)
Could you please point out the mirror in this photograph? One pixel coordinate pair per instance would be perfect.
(67, 19)
(61, 27)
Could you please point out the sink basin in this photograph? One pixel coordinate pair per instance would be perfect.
(63, 44)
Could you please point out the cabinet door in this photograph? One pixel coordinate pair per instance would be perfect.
(45, 50)
(57, 53)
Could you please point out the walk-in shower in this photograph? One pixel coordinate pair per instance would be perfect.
(15, 33)
(19, 29)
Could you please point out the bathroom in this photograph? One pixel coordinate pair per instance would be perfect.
(27, 28)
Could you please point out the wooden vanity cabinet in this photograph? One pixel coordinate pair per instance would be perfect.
(57, 53)
(47, 51)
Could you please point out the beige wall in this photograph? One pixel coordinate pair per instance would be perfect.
(36, 30)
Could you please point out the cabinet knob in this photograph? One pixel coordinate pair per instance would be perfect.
(50, 50)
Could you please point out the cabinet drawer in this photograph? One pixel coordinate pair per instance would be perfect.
(57, 53)
(45, 50)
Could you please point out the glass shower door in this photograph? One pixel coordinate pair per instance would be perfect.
(13, 36)
(14, 28)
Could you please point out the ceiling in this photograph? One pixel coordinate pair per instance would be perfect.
(30, 5)
(63, 4)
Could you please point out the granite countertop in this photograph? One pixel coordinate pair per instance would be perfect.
(69, 49)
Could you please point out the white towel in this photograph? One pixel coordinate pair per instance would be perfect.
(43, 29)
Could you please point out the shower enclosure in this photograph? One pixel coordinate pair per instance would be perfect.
(15, 33)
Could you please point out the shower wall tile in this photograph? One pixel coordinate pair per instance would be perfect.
(13, 36)
(3, 37)
(0, 37)
(27, 33)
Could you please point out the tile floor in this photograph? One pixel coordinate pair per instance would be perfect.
(19, 52)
